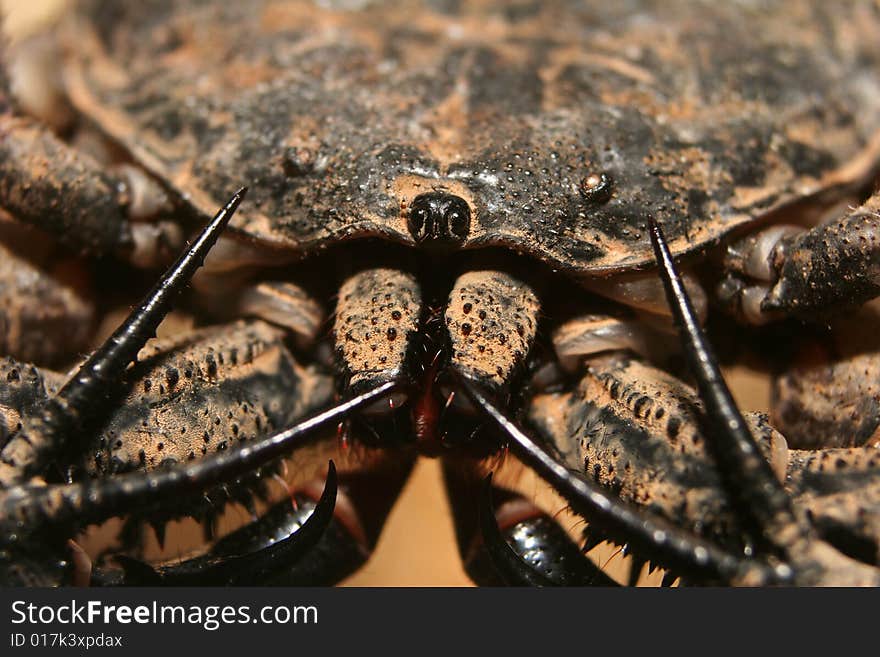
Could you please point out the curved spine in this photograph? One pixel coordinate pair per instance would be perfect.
(242, 569)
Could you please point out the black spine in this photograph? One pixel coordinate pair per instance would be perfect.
(757, 495)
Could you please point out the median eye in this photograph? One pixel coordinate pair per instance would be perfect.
(439, 220)
(418, 217)
(458, 218)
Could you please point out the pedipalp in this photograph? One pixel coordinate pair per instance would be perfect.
(223, 567)
(82, 395)
(668, 545)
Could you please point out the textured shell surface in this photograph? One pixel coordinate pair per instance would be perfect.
(704, 115)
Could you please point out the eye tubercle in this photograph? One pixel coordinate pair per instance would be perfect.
(439, 219)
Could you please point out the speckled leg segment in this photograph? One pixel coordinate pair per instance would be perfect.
(46, 183)
(829, 394)
(636, 430)
(810, 274)
(86, 205)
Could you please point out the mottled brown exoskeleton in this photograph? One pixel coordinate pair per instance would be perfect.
(449, 243)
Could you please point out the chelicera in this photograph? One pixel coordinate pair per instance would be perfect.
(480, 193)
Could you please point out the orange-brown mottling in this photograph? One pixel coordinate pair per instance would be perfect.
(377, 313)
(492, 319)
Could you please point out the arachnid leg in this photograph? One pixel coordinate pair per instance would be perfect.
(46, 183)
(78, 188)
(24, 389)
(204, 392)
(758, 497)
(637, 431)
(82, 396)
(646, 533)
(589, 334)
(378, 312)
(90, 208)
(829, 394)
(31, 513)
(826, 403)
(46, 310)
(282, 303)
(492, 319)
(806, 274)
(228, 288)
(377, 317)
